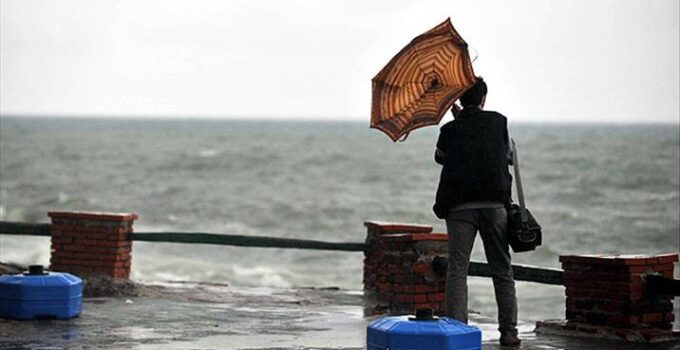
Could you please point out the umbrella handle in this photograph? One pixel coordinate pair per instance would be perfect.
(405, 137)
(476, 54)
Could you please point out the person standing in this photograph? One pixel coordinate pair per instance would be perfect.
(473, 193)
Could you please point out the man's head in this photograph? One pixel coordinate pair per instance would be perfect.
(475, 96)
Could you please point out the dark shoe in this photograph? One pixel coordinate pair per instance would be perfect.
(509, 338)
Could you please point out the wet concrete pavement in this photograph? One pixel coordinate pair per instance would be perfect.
(200, 316)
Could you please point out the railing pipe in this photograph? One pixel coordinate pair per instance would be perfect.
(480, 269)
(244, 241)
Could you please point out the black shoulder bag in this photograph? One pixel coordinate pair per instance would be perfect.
(524, 232)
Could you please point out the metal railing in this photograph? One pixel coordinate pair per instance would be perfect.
(479, 269)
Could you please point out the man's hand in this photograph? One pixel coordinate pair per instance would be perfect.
(439, 156)
(455, 109)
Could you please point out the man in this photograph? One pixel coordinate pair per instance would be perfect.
(474, 190)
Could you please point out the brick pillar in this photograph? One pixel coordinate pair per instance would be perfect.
(398, 273)
(92, 243)
(609, 291)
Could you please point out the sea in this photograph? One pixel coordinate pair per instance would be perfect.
(594, 188)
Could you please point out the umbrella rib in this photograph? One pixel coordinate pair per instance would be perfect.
(420, 82)
(419, 60)
(415, 102)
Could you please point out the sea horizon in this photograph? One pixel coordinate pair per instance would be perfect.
(313, 119)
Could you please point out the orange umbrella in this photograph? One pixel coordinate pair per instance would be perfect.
(421, 82)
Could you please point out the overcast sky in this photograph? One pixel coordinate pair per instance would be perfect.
(549, 61)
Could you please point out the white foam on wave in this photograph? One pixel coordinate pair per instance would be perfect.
(159, 262)
(63, 198)
(260, 275)
(179, 270)
(25, 250)
(208, 153)
(12, 214)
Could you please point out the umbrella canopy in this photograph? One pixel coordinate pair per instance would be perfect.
(421, 82)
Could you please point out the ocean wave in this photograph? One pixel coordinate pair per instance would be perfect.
(30, 215)
(184, 269)
(592, 188)
(208, 153)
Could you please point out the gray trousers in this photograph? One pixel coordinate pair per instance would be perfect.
(462, 228)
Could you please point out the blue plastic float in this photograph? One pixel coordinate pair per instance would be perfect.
(422, 332)
(39, 294)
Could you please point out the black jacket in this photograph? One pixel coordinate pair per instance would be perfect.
(474, 152)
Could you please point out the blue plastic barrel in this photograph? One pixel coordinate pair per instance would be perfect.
(39, 294)
(422, 333)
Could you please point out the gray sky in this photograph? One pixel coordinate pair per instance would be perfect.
(551, 61)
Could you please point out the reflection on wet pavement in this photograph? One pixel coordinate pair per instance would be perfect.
(194, 316)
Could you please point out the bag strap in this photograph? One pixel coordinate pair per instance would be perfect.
(518, 181)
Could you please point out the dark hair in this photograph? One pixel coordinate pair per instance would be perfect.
(474, 95)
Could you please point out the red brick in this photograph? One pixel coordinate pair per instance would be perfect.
(55, 232)
(89, 263)
(65, 261)
(58, 228)
(602, 294)
(614, 277)
(421, 268)
(582, 304)
(95, 249)
(573, 276)
(639, 268)
(615, 307)
(652, 318)
(117, 250)
(411, 298)
(127, 264)
(626, 296)
(394, 270)
(115, 243)
(414, 237)
(87, 241)
(62, 239)
(579, 259)
(387, 227)
(667, 258)
(63, 254)
(114, 231)
(627, 260)
(83, 215)
(436, 297)
(103, 236)
(92, 238)
(568, 266)
(68, 232)
(97, 256)
(619, 287)
(423, 289)
(630, 259)
(586, 293)
(115, 264)
(651, 260)
(662, 267)
(624, 320)
(120, 273)
(74, 248)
